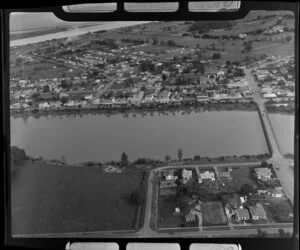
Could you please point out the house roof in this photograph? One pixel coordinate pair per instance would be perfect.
(241, 212)
(257, 211)
(263, 171)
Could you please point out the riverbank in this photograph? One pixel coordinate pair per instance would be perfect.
(281, 108)
(143, 164)
(126, 111)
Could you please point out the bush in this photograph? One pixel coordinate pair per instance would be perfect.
(17, 157)
(136, 197)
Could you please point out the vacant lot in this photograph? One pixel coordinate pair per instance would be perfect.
(213, 214)
(239, 177)
(52, 199)
(279, 211)
(166, 217)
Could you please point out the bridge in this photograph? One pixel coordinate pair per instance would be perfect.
(280, 163)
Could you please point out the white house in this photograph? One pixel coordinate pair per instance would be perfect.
(44, 105)
(263, 173)
(88, 97)
(208, 175)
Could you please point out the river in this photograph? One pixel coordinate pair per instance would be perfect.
(283, 128)
(102, 138)
(74, 32)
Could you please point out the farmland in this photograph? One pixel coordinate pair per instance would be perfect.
(55, 199)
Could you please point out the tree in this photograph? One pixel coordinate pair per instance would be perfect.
(167, 158)
(197, 158)
(136, 197)
(288, 38)
(124, 158)
(179, 154)
(247, 46)
(264, 164)
(246, 189)
(18, 61)
(64, 84)
(46, 89)
(216, 55)
(64, 99)
(261, 233)
(283, 234)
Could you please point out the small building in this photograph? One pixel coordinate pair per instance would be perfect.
(263, 173)
(169, 175)
(207, 175)
(191, 216)
(258, 212)
(186, 175)
(242, 214)
(262, 191)
(242, 36)
(177, 211)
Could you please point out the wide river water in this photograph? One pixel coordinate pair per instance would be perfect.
(102, 138)
(74, 32)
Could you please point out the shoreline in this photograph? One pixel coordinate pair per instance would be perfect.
(126, 111)
(153, 163)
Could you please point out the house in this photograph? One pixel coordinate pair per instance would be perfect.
(242, 36)
(137, 98)
(242, 200)
(262, 191)
(61, 95)
(269, 95)
(15, 106)
(225, 174)
(44, 105)
(186, 175)
(191, 216)
(242, 214)
(258, 212)
(70, 103)
(276, 193)
(88, 97)
(169, 175)
(165, 96)
(263, 173)
(207, 175)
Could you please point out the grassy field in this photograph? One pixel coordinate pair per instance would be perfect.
(53, 199)
(40, 70)
(166, 218)
(278, 211)
(239, 177)
(213, 214)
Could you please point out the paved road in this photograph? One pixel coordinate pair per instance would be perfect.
(281, 165)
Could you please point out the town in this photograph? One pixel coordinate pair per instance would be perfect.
(108, 74)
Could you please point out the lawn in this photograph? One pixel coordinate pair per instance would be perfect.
(213, 214)
(53, 199)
